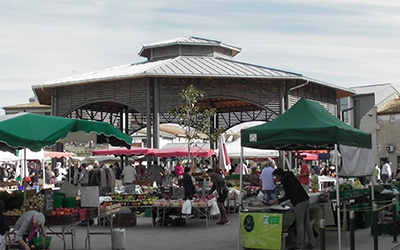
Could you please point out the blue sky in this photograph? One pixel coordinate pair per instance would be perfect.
(342, 42)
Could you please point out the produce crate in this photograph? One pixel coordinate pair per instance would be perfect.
(58, 199)
(62, 219)
(124, 220)
(385, 228)
(343, 194)
(82, 214)
(92, 212)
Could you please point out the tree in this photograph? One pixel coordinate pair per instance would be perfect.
(197, 122)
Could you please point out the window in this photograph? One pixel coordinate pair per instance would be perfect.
(392, 118)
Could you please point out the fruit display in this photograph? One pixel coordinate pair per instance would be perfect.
(131, 199)
(34, 203)
(64, 211)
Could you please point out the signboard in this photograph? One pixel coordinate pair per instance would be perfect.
(48, 201)
(261, 230)
(90, 196)
(69, 189)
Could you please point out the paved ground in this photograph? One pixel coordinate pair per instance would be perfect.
(196, 236)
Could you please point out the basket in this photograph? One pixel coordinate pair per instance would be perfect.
(41, 242)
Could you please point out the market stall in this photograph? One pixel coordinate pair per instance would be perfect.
(315, 128)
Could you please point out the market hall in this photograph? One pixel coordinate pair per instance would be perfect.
(140, 95)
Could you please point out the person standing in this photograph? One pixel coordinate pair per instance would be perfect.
(33, 173)
(386, 171)
(254, 177)
(3, 226)
(219, 184)
(75, 177)
(179, 169)
(267, 183)
(129, 174)
(156, 173)
(314, 180)
(304, 176)
(84, 175)
(300, 201)
(188, 184)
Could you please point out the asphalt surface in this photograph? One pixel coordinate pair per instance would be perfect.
(196, 236)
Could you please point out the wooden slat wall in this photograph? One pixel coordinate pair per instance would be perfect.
(264, 93)
(131, 93)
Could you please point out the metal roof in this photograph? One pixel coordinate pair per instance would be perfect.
(185, 66)
(382, 91)
(179, 66)
(189, 40)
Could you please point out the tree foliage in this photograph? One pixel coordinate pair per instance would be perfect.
(197, 122)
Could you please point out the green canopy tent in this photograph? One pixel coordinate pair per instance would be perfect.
(32, 131)
(308, 125)
(26, 130)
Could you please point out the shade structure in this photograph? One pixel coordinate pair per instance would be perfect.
(7, 156)
(309, 157)
(52, 154)
(124, 151)
(223, 156)
(183, 151)
(306, 125)
(26, 130)
(233, 149)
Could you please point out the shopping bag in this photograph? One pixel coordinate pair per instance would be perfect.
(214, 207)
(187, 207)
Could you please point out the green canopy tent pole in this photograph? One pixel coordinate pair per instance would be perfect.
(338, 197)
(24, 179)
(240, 196)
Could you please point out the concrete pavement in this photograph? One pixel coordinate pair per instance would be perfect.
(196, 236)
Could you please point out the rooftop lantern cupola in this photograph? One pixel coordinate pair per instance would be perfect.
(188, 46)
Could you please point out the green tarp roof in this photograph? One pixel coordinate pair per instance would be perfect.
(307, 125)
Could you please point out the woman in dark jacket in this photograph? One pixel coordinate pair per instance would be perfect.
(190, 190)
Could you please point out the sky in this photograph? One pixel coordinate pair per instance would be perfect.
(342, 42)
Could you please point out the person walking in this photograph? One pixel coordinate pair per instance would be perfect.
(300, 201)
(219, 184)
(386, 171)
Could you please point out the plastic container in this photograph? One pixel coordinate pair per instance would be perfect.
(58, 199)
(118, 239)
(69, 202)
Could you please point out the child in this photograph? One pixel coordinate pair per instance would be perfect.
(314, 181)
(3, 226)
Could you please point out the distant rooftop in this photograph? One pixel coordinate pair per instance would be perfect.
(27, 105)
(381, 91)
(392, 107)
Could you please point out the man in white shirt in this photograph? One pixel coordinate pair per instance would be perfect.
(386, 171)
(129, 174)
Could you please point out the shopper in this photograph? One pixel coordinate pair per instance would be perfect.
(300, 201)
(254, 177)
(188, 184)
(304, 176)
(267, 183)
(219, 184)
(26, 227)
(179, 169)
(3, 226)
(129, 175)
(386, 171)
(314, 180)
(83, 175)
